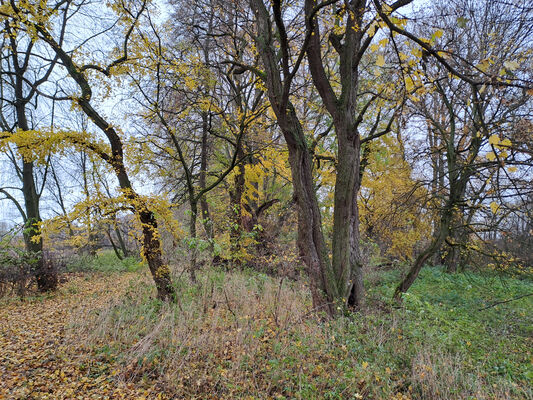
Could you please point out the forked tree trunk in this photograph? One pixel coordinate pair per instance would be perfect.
(311, 242)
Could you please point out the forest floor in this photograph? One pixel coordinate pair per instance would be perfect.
(40, 358)
(244, 335)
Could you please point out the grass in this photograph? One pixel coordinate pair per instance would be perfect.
(105, 261)
(245, 335)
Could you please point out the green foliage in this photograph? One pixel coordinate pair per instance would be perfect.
(242, 332)
(105, 261)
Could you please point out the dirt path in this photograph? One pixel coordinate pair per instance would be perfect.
(39, 361)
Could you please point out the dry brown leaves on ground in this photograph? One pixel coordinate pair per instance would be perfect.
(37, 358)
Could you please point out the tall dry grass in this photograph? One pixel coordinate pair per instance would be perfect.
(244, 335)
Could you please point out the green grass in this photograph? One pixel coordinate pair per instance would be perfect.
(243, 334)
(105, 261)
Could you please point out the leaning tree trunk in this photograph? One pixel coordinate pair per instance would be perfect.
(434, 246)
(151, 236)
(152, 253)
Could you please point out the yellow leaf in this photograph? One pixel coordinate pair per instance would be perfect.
(483, 65)
(437, 34)
(383, 42)
(380, 61)
(494, 139)
(506, 142)
(511, 65)
(364, 365)
(512, 169)
(409, 84)
(494, 207)
(491, 156)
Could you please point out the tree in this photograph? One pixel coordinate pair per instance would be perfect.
(474, 93)
(20, 79)
(38, 20)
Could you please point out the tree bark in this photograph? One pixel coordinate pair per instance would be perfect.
(152, 252)
(204, 206)
(311, 241)
(150, 235)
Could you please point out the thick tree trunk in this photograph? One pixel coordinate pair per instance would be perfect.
(152, 253)
(310, 237)
(346, 257)
(313, 251)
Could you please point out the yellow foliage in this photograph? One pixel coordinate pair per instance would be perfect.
(390, 205)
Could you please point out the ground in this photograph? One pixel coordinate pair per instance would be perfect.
(244, 335)
(41, 359)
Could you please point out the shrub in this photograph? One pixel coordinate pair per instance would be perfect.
(17, 271)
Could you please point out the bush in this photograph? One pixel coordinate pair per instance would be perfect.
(17, 271)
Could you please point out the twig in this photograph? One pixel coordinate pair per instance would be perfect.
(228, 303)
(505, 301)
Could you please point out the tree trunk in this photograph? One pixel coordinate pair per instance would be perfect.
(152, 252)
(346, 258)
(435, 245)
(193, 247)
(45, 273)
(204, 206)
(311, 242)
(310, 237)
(121, 242)
(115, 248)
(236, 194)
(151, 236)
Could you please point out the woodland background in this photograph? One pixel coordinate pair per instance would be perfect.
(332, 199)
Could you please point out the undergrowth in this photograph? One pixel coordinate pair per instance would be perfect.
(246, 335)
(104, 261)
